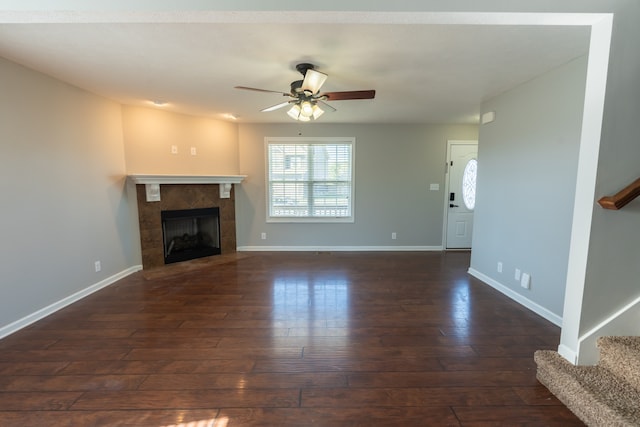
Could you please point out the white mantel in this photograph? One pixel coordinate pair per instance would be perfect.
(152, 182)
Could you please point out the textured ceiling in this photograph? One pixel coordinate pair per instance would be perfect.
(422, 73)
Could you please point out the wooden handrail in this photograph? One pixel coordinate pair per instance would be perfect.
(622, 197)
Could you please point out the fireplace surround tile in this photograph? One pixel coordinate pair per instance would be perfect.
(182, 196)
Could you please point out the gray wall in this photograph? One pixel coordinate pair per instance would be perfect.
(62, 182)
(394, 165)
(526, 184)
(613, 265)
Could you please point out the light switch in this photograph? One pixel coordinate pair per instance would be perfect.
(434, 187)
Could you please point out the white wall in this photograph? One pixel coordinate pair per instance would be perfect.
(394, 165)
(62, 182)
(526, 184)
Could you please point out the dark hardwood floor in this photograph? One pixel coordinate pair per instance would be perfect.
(278, 339)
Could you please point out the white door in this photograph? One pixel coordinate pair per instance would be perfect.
(460, 201)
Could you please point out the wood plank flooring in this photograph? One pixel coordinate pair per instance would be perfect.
(286, 339)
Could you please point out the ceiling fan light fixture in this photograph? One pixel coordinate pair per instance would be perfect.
(294, 112)
(317, 112)
(306, 109)
(313, 80)
(298, 111)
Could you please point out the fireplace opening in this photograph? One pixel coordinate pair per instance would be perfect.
(190, 234)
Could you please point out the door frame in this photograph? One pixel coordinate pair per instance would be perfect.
(445, 215)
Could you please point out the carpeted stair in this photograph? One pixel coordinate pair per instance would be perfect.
(607, 394)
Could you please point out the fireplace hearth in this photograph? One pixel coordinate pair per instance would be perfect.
(190, 233)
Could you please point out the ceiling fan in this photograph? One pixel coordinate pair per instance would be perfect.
(305, 97)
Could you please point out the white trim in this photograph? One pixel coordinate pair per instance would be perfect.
(152, 183)
(187, 179)
(567, 353)
(339, 248)
(192, 11)
(268, 140)
(52, 308)
(310, 220)
(586, 179)
(536, 308)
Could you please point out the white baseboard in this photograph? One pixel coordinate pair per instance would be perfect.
(567, 353)
(624, 322)
(338, 248)
(50, 309)
(536, 308)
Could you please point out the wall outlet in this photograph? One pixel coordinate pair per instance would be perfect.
(194, 151)
(394, 236)
(517, 275)
(263, 236)
(97, 266)
(525, 282)
(499, 267)
(174, 149)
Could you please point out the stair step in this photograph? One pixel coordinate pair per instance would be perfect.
(593, 393)
(621, 355)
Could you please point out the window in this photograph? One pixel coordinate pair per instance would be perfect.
(469, 184)
(310, 179)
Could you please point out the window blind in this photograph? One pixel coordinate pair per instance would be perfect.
(310, 179)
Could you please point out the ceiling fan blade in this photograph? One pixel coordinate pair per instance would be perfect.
(261, 90)
(275, 107)
(354, 94)
(324, 104)
(313, 81)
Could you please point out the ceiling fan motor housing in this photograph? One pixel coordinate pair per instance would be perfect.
(303, 67)
(296, 87)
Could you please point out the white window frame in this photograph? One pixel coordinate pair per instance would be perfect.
(306, 141)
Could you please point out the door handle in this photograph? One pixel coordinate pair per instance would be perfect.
(451, 205)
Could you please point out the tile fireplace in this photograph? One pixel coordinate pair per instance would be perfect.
(185, 194)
